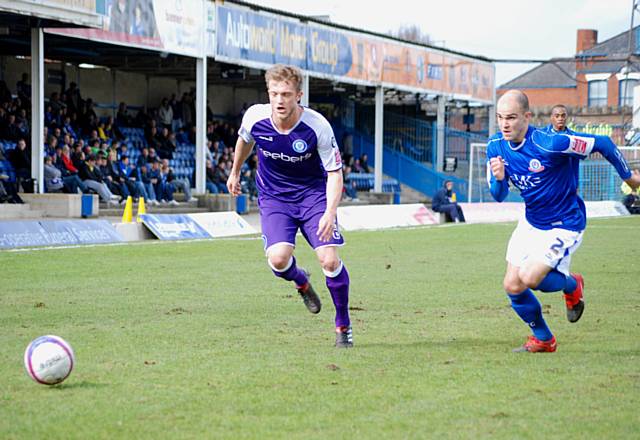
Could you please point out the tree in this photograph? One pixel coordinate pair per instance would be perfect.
(411, 32)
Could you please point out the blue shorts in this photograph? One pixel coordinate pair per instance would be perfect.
(281, 221)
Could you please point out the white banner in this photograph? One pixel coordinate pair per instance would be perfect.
(223, 224)
(352, 218)
(605, 209)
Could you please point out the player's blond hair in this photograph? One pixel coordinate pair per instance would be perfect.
(284, 73)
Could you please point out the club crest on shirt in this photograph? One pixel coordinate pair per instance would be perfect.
(535, 166)
(299, 146)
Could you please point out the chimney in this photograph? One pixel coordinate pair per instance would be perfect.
(586, 39)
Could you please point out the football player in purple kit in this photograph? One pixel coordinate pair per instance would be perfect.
(299, 180)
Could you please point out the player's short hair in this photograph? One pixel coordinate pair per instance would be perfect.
(286, 73)
(519, 96)
(559, 106)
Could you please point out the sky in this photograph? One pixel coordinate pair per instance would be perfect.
(492, 28)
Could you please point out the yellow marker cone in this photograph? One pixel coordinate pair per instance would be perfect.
(127, 215)
(141, 209)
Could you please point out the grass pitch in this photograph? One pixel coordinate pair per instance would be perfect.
(199, 340)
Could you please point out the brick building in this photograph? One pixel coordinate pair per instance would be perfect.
(597, 86)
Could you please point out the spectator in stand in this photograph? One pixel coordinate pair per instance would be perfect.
(23, 89)
(159, 182)
(69, 172)
(101, 132)
(67, 128)
(56, 106)
(92, 177)
(8, 190)
(112, 182)
(215, 179)
(153, 139)
(153, 156)
(147, 180)
(122, 151)
(187, 113)
(118, 177)
(177, 113)
(51, 146)
(349, 185)
(123, 118)
(78, 156)
(165, 114)
(166, 145)
(52, 177)
(364, 164)
(13, 132)
(143, 159)
(112, 130)
(445, 201)
(49, 118)
(74, 100)
(357, 166)
(130, 172)
(20, 158)
(5, 93)
(178, 184)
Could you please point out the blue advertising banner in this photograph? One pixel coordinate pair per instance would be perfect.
(15, 234)
(82, 231)
(173, 226)
(248, 35)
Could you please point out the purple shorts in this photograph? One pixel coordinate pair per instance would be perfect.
(280, 221)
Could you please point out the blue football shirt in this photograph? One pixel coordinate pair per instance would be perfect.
(541, 167)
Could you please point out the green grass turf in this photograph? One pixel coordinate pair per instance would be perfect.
(199, 340)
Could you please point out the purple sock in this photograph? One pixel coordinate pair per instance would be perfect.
(338, 286)
(292, 273)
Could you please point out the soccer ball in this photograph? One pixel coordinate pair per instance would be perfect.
(49, 359)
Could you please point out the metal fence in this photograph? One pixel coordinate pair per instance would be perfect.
(598, 179)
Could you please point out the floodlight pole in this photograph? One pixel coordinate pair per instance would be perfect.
(37, 107)
(305, 90)
(440, 128)
(201, 122)
(379, 130)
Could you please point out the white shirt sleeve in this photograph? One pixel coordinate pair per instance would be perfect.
(328, 148)
(251, 116)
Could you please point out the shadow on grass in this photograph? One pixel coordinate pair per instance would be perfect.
(474, 343)
(79, 385)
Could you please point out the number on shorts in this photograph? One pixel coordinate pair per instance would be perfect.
(557, 246)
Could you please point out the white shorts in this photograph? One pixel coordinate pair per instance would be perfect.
(553, 247)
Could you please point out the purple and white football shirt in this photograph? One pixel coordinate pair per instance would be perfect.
(294, 164)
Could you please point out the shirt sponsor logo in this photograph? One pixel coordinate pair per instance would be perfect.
(523, 182)
(299, 146)
(578, 145)
(285, 157)
(266, 138)
(535, 166)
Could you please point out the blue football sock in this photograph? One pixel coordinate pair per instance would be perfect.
(528, 308)
(554, 282)
(572, 284)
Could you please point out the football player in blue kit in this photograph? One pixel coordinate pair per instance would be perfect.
(542, 166)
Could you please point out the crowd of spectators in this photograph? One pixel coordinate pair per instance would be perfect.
(85, 153)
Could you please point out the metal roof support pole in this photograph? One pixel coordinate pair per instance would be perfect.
(37, 107)
(379, 132)
(440, 128)
(305, 90)
(201, 122)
